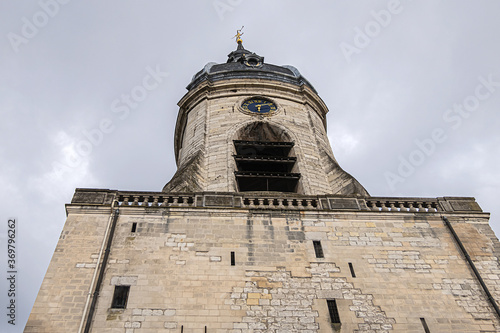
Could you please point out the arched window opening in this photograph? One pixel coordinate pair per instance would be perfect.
(264, 160)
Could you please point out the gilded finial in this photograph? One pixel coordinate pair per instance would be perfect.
(238, 35)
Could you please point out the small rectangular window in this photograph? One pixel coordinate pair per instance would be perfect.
(318, 249)
(120, 297)
(233, 260)
(134, 227)
(332, 309)
(352, 270)
(424, 324)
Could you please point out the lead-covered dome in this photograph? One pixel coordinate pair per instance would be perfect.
(245, 64)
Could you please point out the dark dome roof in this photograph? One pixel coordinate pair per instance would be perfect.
(243, 64)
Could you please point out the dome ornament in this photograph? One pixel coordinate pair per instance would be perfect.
(242, 56)
(238, 35)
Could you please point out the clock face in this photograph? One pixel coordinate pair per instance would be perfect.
(259, 105)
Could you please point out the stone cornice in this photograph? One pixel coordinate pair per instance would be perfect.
(96, 201)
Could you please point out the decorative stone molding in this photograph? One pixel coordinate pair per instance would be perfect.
(274, 200)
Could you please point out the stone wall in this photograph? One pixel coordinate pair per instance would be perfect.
(64, 290)
(178, 266)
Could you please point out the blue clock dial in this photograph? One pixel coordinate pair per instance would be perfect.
(259, 105)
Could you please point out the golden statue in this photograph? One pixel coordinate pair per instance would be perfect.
(238, 35)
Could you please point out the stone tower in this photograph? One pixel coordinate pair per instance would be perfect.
(261, 230)
(221, 111)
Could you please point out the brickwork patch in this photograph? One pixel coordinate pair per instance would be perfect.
(398, 261)
(469, 295)
(416, 234)
(277, 302)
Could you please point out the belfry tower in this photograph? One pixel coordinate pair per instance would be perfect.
(246, 125)
(261, 230)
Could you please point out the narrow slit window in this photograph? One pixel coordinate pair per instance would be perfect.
(424, 324)
(134, 227)
(318, 249)
(233, 260)
(120, 297)
(334, 312)
(351, 268)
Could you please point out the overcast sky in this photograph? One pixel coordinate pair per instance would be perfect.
(413, 89)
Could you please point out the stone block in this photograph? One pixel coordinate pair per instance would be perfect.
(252, 301)
(124, 280)
(218, 201)
(170, 324)
(169, 312)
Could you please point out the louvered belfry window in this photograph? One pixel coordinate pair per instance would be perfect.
(265, 166)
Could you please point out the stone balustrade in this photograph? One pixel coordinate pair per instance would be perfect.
(146, 200)
(280, 203)
(409, 205)
(275, 200)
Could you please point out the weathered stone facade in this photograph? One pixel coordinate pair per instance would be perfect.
(177, 262)
(210, 119)
(202, 256)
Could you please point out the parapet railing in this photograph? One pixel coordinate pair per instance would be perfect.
(382, 205)
(274, 200)
(280, 203)
(155, 200)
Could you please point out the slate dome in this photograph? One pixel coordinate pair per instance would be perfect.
(245, 64)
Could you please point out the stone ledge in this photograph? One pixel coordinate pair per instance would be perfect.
(94, 198)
